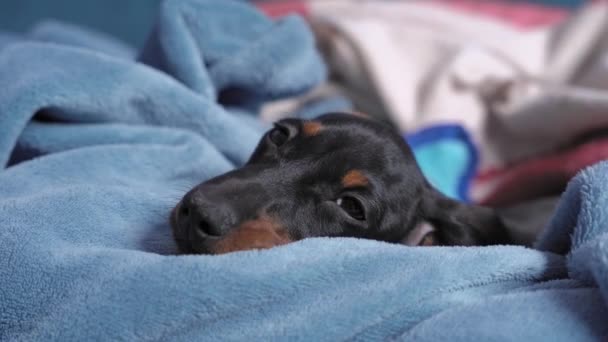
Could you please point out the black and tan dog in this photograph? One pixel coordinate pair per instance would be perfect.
(339, 175)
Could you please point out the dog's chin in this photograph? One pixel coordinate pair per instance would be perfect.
(185, 246)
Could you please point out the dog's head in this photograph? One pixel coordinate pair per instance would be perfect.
(339, 175)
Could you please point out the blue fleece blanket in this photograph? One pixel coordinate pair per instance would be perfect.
(96, 147)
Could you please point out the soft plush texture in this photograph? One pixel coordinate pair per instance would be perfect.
(96, 149)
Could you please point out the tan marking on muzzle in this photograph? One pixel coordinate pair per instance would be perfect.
(311, 128)
(354, 178)
(261, 233)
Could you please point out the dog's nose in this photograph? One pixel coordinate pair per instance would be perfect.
(200, 215)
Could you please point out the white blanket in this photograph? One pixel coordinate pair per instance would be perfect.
(519, 93)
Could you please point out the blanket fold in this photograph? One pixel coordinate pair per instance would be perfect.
(208, 57)
(122, 91)
(96, 148)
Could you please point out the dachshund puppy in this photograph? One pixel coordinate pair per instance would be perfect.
(339, 175)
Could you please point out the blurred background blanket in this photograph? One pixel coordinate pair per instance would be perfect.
(98, 140)
(525, 82)
(420, 64)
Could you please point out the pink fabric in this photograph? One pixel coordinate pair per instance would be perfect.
(280, 8)
(543, 176)
(520, 14)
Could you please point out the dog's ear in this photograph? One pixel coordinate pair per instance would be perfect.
(444, 221)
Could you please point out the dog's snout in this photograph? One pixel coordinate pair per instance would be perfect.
(227, 213)
(205, 227)
(200, 215)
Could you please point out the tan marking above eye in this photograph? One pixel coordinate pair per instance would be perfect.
(311, 128)
(354, 178)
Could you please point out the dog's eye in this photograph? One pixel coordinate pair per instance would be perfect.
(278, 136)
(352, 207)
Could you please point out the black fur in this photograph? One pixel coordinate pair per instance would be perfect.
(299, 182)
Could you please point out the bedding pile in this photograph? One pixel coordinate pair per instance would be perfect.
(525, 82)
(98, 141)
